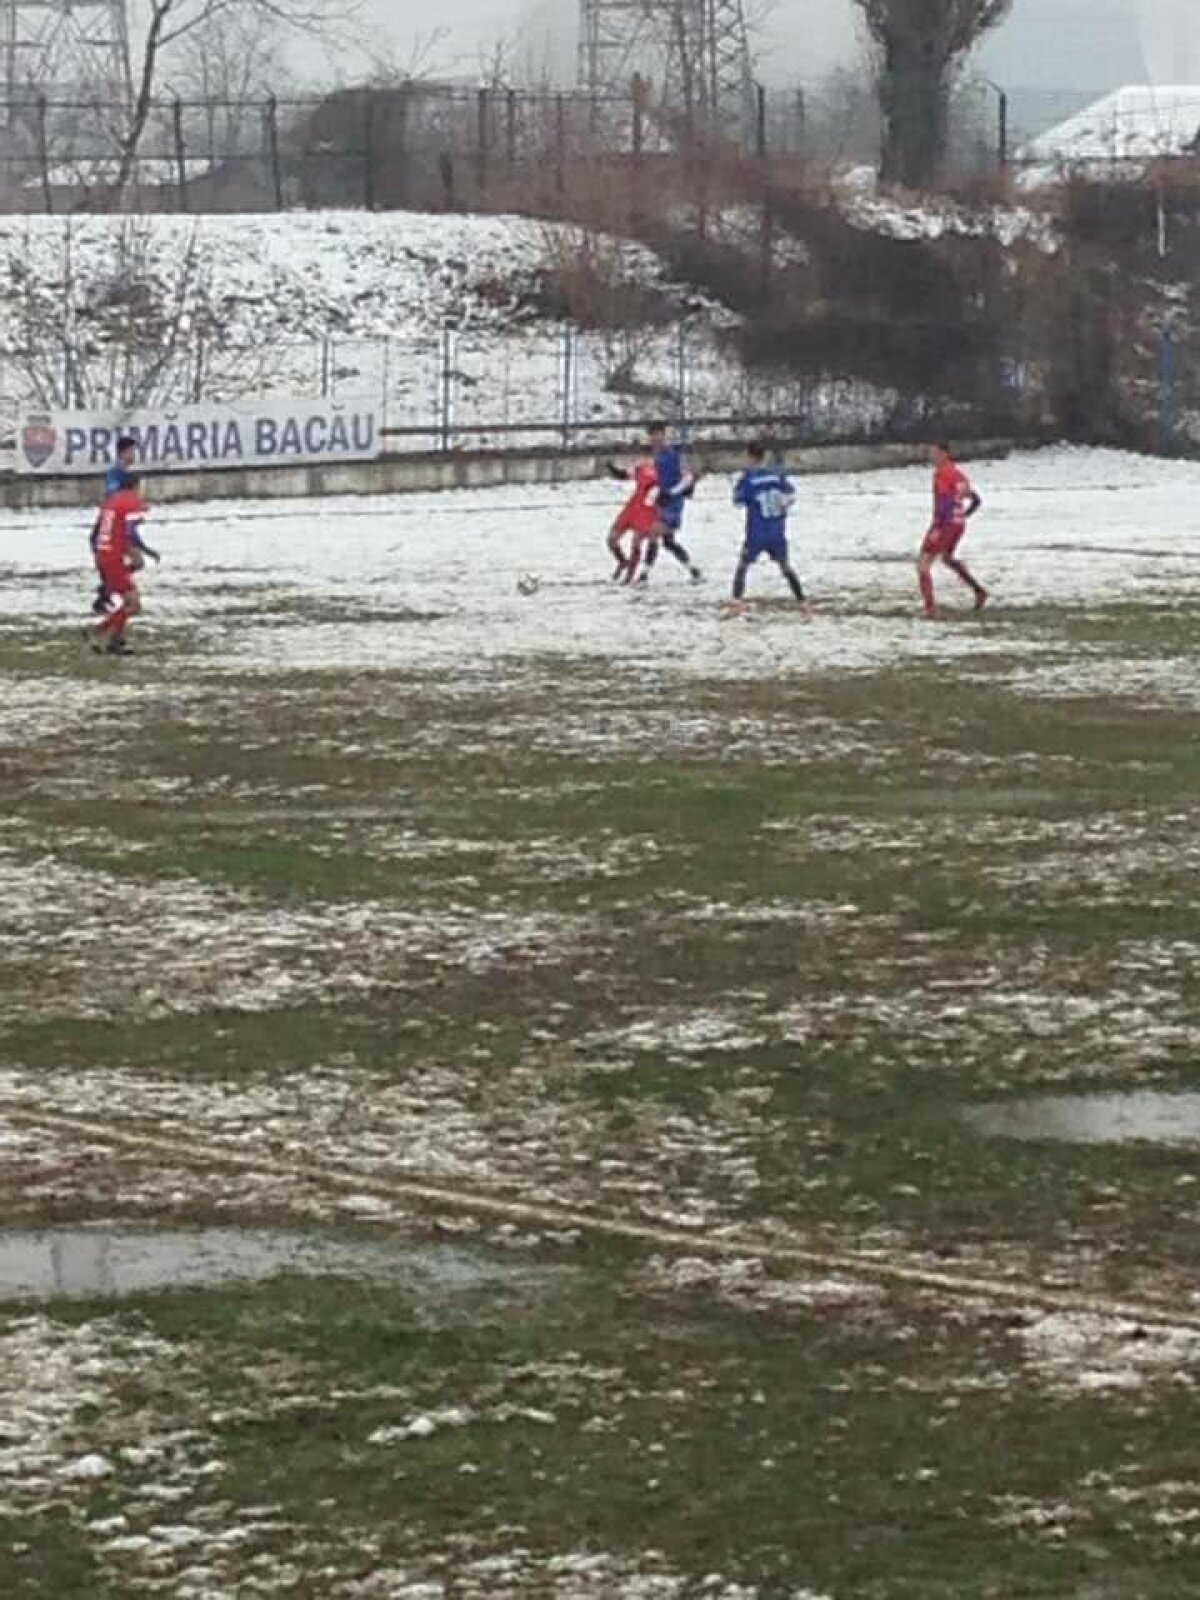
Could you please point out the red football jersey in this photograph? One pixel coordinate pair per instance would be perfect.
(951, 493)
(641, 513)
(114, 540)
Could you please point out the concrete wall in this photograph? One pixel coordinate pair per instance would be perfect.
(412, 474)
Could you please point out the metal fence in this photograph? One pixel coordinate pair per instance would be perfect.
(550, 387)
(412, 144)
(1177, 401)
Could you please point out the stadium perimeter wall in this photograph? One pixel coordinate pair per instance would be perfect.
(417, 474)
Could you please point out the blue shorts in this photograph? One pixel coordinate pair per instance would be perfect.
(774, 545)
(670, 515)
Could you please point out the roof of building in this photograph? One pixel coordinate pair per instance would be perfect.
(1142, 122)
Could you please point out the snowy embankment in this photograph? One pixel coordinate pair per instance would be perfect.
(454, 322)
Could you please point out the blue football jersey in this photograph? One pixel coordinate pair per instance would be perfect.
(117, 479)
(767, 494)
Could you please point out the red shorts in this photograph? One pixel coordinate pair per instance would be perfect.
(117, 577)
(944, 541)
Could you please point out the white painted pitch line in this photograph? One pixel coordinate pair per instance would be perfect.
(679, 1241)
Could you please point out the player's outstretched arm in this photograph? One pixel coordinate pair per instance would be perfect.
(683, 490)
(140, 544)
(973, 504)
(621, 474)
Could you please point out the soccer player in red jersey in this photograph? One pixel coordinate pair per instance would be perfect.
(955, 502)
(120, 552)
(639, 518)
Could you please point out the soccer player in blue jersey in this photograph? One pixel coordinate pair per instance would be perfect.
(117, 480)
(768, 494)
(676, 485)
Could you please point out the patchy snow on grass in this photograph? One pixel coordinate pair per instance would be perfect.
(1077, 1353)
(1170, 682)
(747, 1284)
(51, 1376)
(193, 947)
(456, 1124)
(693, 1033)
(573, 1575)
(36, 710)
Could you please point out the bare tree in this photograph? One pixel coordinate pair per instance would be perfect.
(137, 328)
(229, 68)
(920, 45)
(169, 23)
(418, 58)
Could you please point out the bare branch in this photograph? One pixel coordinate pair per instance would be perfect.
(169, 22)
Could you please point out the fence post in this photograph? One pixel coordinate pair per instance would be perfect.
(386, 378)
(1002, 128)
(568, 385)
(272, 120)
(326, 365)
(767, 241)
(1167, 364)
(43, 144)
(510, 132)
(560, 140)
(683, 373)
(482, 138)
(180, 153)
(447, 387)
(639, 144)
(1162, 241)
(369, 150)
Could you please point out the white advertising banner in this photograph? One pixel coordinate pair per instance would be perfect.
(268, 433)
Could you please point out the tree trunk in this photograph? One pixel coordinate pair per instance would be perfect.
(142, 104)
(914, 96)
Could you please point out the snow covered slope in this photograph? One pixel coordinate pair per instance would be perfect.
(454, 321)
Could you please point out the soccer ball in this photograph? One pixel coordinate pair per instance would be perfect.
(527, 584)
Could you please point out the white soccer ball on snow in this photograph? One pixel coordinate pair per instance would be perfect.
(528, 584)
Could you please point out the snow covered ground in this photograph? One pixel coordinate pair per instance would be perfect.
(429, 583)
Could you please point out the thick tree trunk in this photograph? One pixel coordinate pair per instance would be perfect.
(914, 95)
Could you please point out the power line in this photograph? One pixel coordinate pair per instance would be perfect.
(57, 47)
(693, 55)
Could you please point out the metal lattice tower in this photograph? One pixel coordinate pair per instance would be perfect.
(65, 49)
(694, 55)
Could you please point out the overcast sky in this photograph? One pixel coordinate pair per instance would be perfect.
(1068, 44)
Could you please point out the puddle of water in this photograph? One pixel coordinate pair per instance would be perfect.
(1149, 1117)
(63, 1262)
